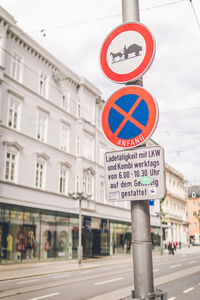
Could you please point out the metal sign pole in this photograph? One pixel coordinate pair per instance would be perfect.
(140, 216)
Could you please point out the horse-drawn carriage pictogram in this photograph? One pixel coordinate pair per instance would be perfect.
(125, 53)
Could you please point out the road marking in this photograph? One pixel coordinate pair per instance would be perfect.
(87, 272)
(107, 281)
(188, 290)
(109, 268)
(172, 298)
(45, 296)
(27, 281)
(175, 266)
(155, 270)
(192, 261)
(60, 276)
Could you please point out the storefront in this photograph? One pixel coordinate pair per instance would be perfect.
(120, 238)
(95, 236)
(28, 234)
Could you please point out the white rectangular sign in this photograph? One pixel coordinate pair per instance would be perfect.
(136, 174)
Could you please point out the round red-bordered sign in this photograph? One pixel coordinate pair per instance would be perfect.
(129, 117)
(127, 52)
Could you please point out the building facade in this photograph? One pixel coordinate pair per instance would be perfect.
(175, 208)
(52, 146)
(194, 213)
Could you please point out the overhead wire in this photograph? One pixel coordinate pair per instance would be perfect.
(195, 15)
(43, 31)
(60, 92)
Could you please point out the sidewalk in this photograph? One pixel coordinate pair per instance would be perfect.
(17, 271)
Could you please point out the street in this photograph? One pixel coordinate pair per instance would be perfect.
(178, 275)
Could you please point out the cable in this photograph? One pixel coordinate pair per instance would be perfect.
(58, 90)
(163, 5)
(195, 14)
(44, 30)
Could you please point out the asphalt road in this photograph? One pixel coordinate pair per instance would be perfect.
(179, 276)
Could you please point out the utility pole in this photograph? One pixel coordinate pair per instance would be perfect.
(140, 215)
(161, 215)
(80, 197)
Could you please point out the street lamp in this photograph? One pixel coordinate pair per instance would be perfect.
(80, 197)
(161, 215)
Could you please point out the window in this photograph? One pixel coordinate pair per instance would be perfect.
(102, 151)
(89, 110)
(42, 126)
(63, 181)
(64, 137)
(102, 197)
(77, 184)
(195, 225)
(78, 107)
(1, 50)
(88, 147)
(16, 67)
(14, 113)
(39, 175)
(194, 203)
(66, 101)
(43, 85)
(194, 214)
(77, 145)
(193, 195)
(88, 184)
(10, 166)
(12, 151)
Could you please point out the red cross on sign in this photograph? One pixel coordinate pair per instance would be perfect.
(129, 117)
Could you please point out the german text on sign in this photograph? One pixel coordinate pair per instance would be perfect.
(136, 174)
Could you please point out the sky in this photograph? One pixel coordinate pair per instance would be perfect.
(74, 31)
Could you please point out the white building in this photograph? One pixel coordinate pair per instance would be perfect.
(51, 144)
(175, 207)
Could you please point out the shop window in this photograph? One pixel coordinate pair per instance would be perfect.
(28, 234)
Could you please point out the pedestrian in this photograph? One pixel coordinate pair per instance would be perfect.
(180, 244)
(175, 245)
(128, 247)
(171, 247)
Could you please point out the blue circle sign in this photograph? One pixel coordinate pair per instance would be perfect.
(129, 117)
